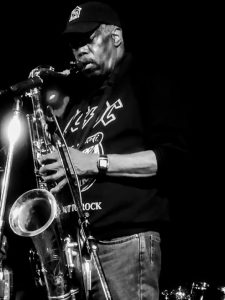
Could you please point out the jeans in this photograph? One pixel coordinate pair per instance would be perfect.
(131, 265)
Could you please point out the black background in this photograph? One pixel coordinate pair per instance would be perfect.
(176, 37)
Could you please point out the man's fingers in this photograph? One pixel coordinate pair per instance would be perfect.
(55, 176)
(59, 186)
(54, 167)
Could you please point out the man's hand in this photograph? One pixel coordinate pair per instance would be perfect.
(52, 169)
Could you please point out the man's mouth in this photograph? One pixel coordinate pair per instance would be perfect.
(87, 66)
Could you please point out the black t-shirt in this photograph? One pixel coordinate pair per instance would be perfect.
(129, 112)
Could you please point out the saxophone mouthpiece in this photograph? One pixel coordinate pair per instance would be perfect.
(74, 67)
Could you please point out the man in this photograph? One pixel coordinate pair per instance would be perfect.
(124, 141)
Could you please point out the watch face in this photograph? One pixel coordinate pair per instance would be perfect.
(103, 163)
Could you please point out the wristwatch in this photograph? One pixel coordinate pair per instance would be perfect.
(103, 163)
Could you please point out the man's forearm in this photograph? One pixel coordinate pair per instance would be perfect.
(139, 164)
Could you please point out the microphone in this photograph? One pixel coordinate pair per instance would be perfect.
(22, 86)
(37, 80)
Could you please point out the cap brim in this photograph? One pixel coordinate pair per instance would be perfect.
(80, 27)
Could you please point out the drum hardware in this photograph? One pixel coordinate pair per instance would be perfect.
(198, 290)
(180, 293)
(165, 294)
(221, 290)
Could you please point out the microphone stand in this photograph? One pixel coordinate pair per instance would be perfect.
(8, 166)
(5, 273)
(83, 222)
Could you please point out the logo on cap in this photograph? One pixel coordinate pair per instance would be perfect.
(75, 14)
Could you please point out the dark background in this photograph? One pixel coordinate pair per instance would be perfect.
(176, 37)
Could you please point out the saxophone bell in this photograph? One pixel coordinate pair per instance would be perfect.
(34, 214)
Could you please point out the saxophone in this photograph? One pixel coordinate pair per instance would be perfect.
(56, 257)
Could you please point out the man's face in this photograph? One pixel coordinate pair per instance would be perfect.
(95, 53)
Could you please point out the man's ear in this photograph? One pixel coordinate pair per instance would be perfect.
(117, 36)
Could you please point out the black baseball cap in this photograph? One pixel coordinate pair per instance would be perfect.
(88, 16)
